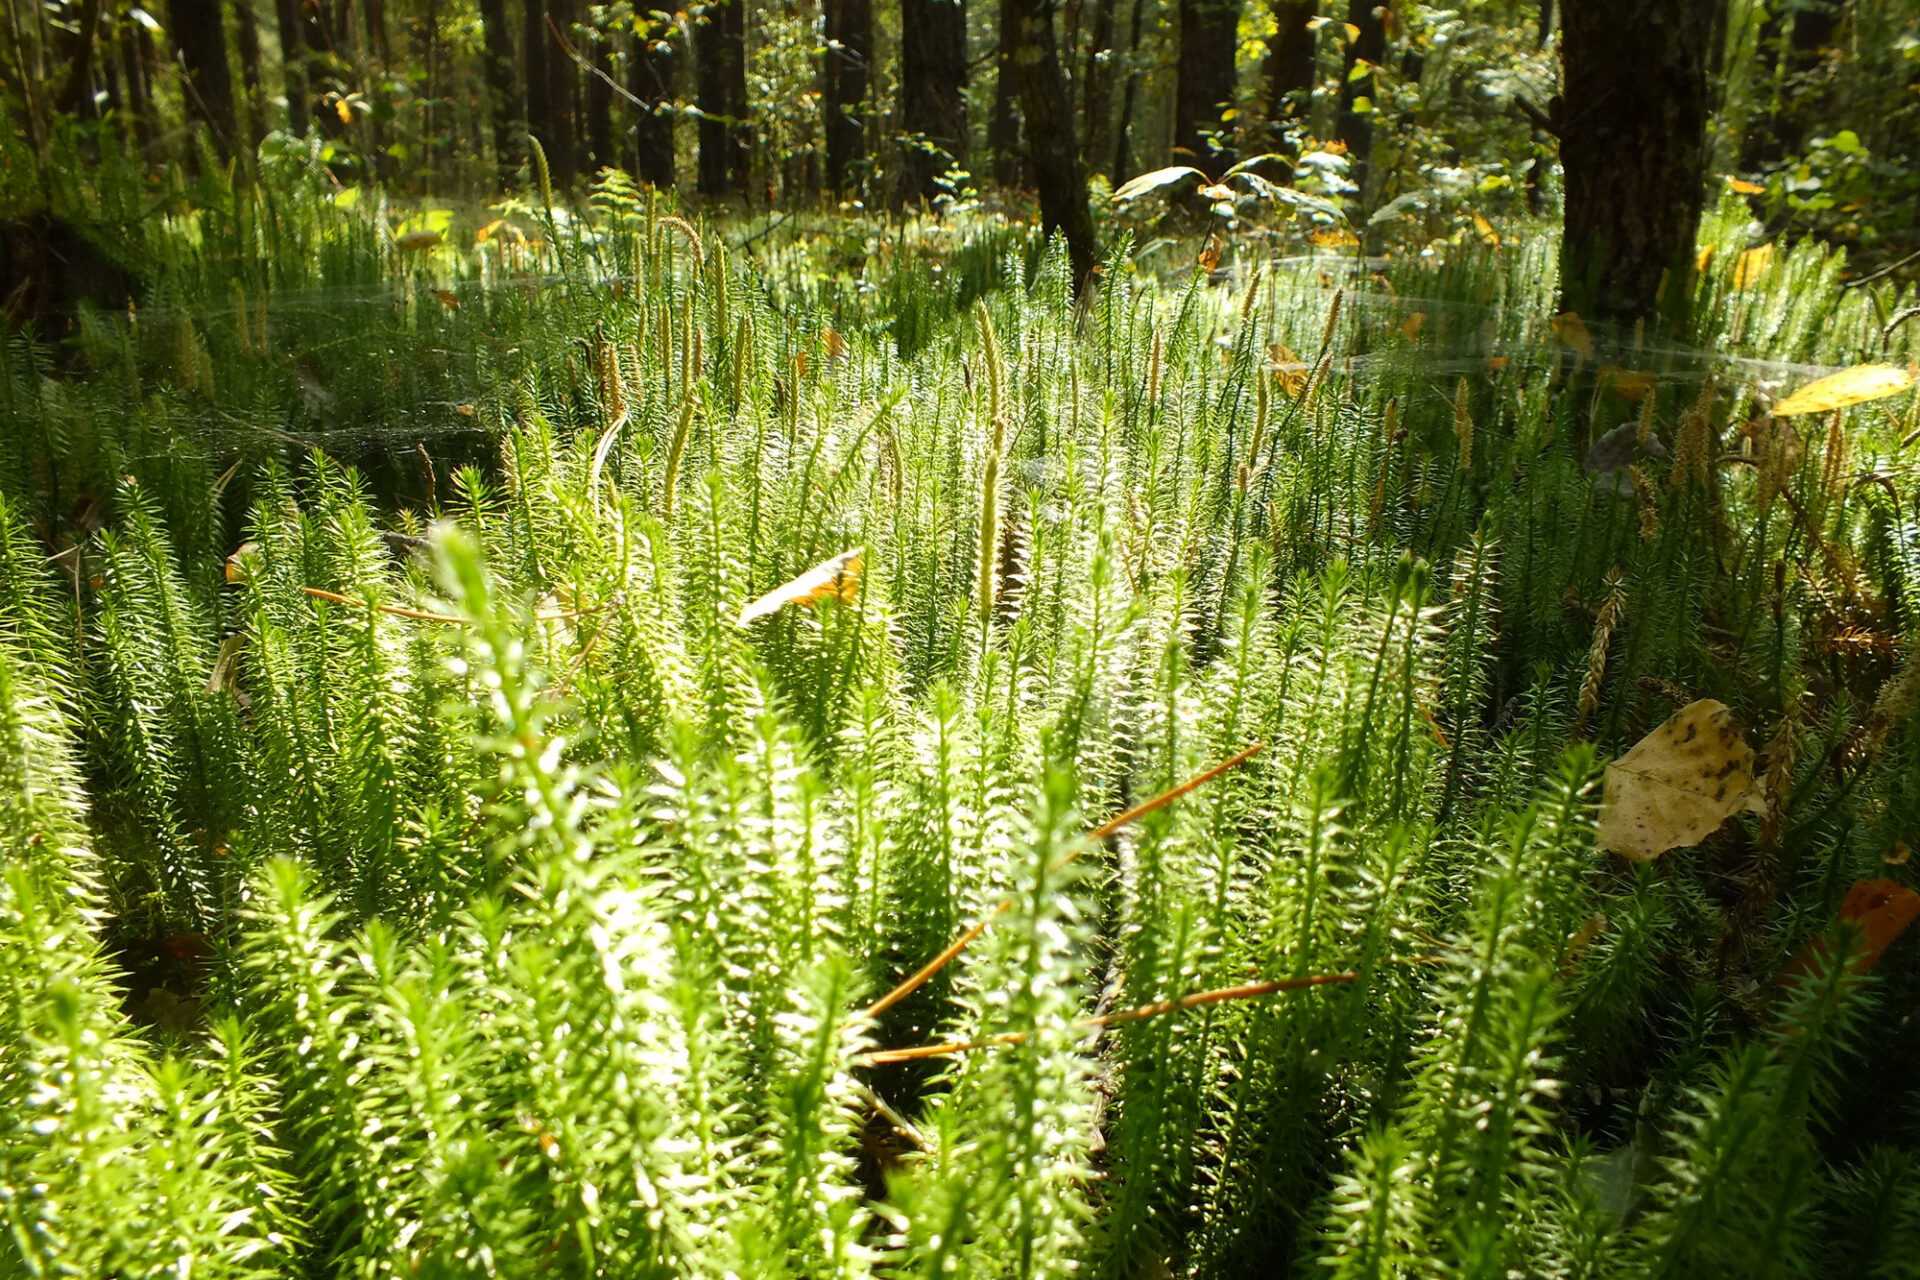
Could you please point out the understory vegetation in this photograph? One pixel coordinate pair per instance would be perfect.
(418, 859)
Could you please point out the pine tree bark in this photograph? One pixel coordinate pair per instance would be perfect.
(535, 50)
(1052, 147)
(247, 33)
(1096, 82)
(563, 93)
(1204, 80)
(1634, 151)
(848, 65)
(720, 58)
(650, 78)
(1288, 66)
(504, 105)
(1355, 127)
(200, 35)
(1003, 126)
(600, 105)
(1123, 131)
(293, 76)
(933, 105)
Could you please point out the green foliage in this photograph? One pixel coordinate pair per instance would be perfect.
(412, 865)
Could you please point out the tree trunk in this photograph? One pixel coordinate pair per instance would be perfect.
(535, 43)
(1097, 86)
(286, 17)
(933, 104)
(77, 94)
(504, 104)
(563, 93)
(1789, 43)
(200, 35)
(1123, 132)
(247, 32)
(1288, 67)
(650, 73)
(600, 104)
(848, 65)
(133, 70)
(1355, 127)
(1052, 148)
(1209, 31)
(720, 57)
(1634, 152)
(1003, 126)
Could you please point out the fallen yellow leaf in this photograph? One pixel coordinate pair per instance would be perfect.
(1628, 384)
(1487, 233)
(1857, 385)
(343, 109)
(1410, 327)
(838, 578)
(1752, 265)
(1741, 186)
(1572, 332)
(1679, 783)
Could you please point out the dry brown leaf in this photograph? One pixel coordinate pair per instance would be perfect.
(1679, 783)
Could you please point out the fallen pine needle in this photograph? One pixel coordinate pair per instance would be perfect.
(1193, 1000)
(1101, 832)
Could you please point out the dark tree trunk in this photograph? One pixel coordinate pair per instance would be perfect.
(503, 91)
(720, 58)
(1052, 148)
(76, 96)
(200, 35)
(1634, 152)
(134, 44)
(536, 44)
(933, 104)
(847, 69)
(1003, 126)
(1123, 132)
(650, 73)
(563, 93)
(1209, 30)
(600, 104)
(1288, 67)
(379, 46)
(1097, 87)
(1355, 128)
(293, 77)
(247, 33)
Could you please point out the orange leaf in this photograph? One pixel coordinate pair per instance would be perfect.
(343, 109)
(1741, 186)
(237, 562)
(1410, 327)
(1496, 363)
(1572, 332)
(1880, 910)
(1702, 260)
(838, 579)
(448, 299)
